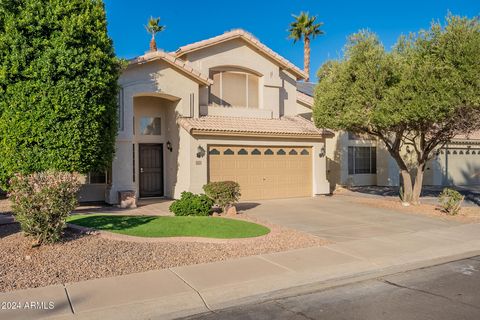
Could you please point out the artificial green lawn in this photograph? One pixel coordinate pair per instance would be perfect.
(155, 226)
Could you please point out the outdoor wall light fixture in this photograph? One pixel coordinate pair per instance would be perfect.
(169, 146)
(200, 152)
(322, 152)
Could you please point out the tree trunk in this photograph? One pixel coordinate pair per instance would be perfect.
(407, 186)
(153, 44)
(306, 57)
(417, 188)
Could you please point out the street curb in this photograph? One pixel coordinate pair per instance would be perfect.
(338, 282)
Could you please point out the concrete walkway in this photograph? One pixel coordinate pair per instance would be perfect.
(182, 291)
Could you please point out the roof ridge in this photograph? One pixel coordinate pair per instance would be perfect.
(250, 38)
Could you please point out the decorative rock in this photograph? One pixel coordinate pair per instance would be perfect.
(127, 199)
(231, 211)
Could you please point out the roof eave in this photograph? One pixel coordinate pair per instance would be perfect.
(202, 132)
(300, 74)
(153, 57)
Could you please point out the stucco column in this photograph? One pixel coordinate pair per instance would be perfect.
(320, 182)
(122, 164)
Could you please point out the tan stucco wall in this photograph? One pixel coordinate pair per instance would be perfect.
(304, 110)
(152, 89)
(277, 87)
(337, 163)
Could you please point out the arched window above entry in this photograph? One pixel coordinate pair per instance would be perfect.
(234, 87)
(281, 152)
(242, 152)
(293, 152)
(228, 152)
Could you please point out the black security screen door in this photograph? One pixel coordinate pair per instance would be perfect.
(151, 170)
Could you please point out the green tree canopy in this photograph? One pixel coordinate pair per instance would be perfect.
(58, 87)
(421, 94)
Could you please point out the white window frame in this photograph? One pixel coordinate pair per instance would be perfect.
(372, 153)
(88, 180)
(247, 74)
(120, 110)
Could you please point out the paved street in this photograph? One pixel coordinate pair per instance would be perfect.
(449, 291)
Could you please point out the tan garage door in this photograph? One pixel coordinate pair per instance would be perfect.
(462, 166)
(263, 172)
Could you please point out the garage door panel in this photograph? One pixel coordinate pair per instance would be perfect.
(269, 173)
(461, 165)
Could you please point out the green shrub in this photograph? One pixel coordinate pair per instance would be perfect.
(450, 201)
(223, 193)
(41, 202)
(192, 205)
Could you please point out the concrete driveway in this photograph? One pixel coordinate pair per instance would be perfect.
(338, 219)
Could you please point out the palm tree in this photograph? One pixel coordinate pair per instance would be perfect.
(304, 27)
(153, 27)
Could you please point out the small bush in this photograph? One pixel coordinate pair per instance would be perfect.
(41, 202)
(223, 193)
(192, 205)
(450, 201)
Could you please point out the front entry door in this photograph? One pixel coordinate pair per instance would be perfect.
(151, 170)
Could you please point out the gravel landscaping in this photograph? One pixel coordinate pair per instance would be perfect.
(4, 205)
(81, 257)
(466, 214)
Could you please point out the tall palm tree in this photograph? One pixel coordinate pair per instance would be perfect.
(304, 27)
(153, 27)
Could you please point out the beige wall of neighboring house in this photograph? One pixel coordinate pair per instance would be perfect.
(458, 163)
(162, 151)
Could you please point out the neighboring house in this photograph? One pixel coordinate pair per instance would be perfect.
(226, 108)
(354, 160)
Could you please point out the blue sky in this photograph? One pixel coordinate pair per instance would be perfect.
(190, 21)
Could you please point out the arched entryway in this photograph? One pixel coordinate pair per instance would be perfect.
(154, 144)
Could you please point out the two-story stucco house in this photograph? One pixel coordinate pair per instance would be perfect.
(226, 108)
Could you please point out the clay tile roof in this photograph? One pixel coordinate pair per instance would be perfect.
(173, 61)
(293, 126)
(249, 38)
(306, 99)
(472, 136)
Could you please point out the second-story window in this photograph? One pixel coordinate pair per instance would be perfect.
(234, 89)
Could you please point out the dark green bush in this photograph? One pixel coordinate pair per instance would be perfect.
(450, 201)
(223, 193)
(192, 205)
(41, 202)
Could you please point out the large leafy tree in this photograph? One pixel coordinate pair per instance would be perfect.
(304, 27)
(58, 87)
(414, 98)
